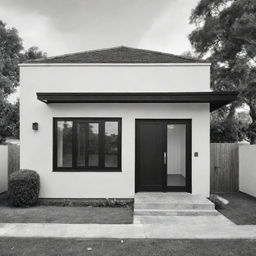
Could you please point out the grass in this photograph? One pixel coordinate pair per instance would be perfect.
(63, 211)
(143, 247)
(241, 208)
(72, 215)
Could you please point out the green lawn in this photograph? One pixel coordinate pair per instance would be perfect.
(34, 247)
(71, 215)
(241, 208)
(56, 213)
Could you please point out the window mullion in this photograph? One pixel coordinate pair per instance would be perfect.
(101, 144)
(119, 156)
(74, 144)
(86, 137)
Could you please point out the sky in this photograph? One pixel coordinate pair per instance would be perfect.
(66, 26)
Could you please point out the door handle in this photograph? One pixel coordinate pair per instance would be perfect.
(165, 156)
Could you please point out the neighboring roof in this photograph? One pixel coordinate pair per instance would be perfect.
(216, 99)
(119, 54)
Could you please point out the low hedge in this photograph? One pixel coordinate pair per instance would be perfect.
(24, 186)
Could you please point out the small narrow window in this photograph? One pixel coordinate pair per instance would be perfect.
(82, 144)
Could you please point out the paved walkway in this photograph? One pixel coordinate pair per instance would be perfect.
(179, 227)
(159, 216)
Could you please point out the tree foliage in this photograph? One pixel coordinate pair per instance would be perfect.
(33, 53)
(9, 120)
(231, 130)
(226, 34)
(10, 48)
(11, 54)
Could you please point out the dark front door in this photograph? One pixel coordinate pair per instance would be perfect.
(149, 160)
(163, 155)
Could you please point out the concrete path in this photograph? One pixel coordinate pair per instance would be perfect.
(179, 227)
(147, 224)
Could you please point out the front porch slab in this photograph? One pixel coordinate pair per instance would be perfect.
(149, 208)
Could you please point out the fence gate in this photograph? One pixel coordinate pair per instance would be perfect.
(224, 167)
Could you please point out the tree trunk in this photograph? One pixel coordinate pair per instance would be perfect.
(252, 131)
(232, 111)
(253, 140)
(253, 112)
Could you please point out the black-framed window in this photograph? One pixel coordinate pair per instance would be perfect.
(87, 144)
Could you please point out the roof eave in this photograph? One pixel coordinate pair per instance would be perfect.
(114, 64)
(215, 99)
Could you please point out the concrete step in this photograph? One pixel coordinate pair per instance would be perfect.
(169, 212)
(170, 198)
(182, 220)
(174, 206)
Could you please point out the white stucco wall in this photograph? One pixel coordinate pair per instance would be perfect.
(247, 169)
(36, 146)
(117, 78)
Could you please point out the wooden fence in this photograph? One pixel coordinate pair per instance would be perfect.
(3, 168)
(224, 167)
(9, 163)
(13, 158)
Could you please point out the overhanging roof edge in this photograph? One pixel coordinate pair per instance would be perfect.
(216, 99)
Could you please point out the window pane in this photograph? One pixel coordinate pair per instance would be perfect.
(176, 155)
(93, 147)
(64, 143)
(96, 144)
(111, 144)
(81, 145)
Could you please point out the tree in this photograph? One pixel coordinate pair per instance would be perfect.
(226, 34)
(9, 121)
(33, 53)
(225, 129)
(10, 48)
(11, 54)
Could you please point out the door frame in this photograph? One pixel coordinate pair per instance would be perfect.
(165, 122)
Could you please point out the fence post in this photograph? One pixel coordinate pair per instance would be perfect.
(3, 168)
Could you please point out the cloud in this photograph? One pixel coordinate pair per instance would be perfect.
(34, 28)
(62, 26)
(170, 31)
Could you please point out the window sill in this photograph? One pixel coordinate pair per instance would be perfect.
(86, 170)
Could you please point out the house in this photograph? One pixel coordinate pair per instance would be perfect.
(112, 122)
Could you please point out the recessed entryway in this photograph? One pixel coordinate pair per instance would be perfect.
(163, 155)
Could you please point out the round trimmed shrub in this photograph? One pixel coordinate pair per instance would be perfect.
(24, 186)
